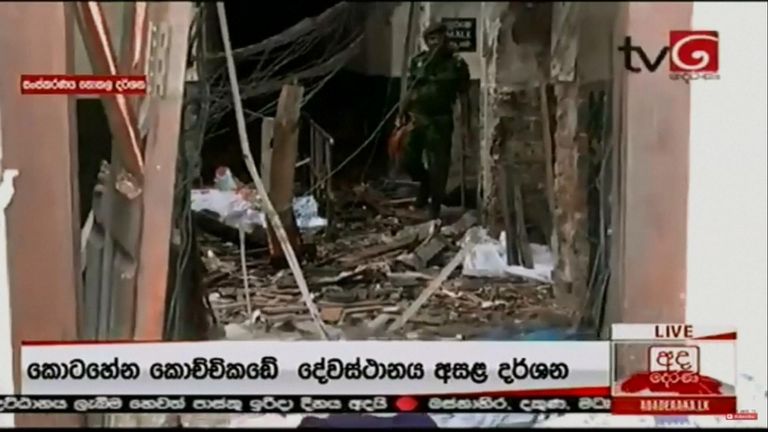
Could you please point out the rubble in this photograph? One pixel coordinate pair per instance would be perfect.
(384, 277)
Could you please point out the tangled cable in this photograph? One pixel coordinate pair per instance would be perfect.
(309, 53)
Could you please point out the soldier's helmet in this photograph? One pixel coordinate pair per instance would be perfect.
(435, 28)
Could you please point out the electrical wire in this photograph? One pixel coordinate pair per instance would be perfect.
(336, 33)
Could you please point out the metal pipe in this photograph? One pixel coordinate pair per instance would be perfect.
(272, 215)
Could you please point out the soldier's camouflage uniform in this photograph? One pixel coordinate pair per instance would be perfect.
(435, 82)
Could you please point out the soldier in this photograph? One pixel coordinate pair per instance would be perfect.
(437, 79)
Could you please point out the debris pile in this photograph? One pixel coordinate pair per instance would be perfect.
(387, 274)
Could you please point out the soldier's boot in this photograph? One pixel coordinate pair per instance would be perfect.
(422, 198)
(440, 164)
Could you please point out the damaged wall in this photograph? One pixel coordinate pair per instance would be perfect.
(513, 87)
(515, 55)
(508, 117)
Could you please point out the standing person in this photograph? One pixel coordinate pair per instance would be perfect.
(437, 79)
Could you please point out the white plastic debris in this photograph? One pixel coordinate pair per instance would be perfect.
(306, 210)
(238, 212)
(224, 180)
(488, 258)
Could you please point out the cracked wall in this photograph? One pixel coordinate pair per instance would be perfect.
(577, 106)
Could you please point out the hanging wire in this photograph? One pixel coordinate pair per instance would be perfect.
(310, 52)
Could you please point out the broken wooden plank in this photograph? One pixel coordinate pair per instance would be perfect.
(331, 314)
(284, 154)
(506, 206)
(431, 288)
(458, 228)
(548, 159)
(359, 310)
(418, 232)
(521, 232)
(255, 303)
(400, 201)
(276, 320)
(375, 251)
(282, 310)
(429, 250)
(426, 252)
(267, 132)
(379, 322)
(407, 279)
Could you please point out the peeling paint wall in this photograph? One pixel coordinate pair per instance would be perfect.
(512, 76)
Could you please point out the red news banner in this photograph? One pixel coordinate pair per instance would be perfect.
(83, 84)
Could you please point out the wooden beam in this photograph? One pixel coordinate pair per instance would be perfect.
(284, 154)
(521, 231)
(267, 133)
(549, 182)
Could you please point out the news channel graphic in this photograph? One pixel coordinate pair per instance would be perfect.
(673, 369)
(83, 85)
(307, 376)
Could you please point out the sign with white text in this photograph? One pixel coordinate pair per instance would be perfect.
(462, 32)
